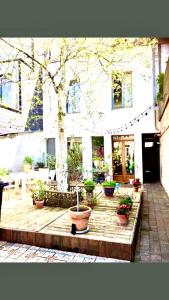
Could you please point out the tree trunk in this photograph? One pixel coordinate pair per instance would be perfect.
(61, 144)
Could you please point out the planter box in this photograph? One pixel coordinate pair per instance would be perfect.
(61, 199)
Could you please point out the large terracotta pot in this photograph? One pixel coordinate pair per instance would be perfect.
(109, 191)
(80, 218)
(123, 219)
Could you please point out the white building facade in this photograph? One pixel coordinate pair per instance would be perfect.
(116, 108)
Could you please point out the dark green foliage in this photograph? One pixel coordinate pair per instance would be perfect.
(38, 193)
(51, 161)
(89, 182)
(28, 160)
(111, 183)
(160, 81)
(74, 162)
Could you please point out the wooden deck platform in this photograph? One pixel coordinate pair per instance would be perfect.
(21, 222)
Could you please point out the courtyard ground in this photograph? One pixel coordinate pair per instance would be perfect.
(152, 243)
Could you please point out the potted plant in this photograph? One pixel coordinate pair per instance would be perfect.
(127, 201)
(123, 214)
(109, 187)
(136, 184)
(79, 215)
(28, 161)
(89, 185)
(38, 194)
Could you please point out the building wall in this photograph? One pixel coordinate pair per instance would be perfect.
(164, 149)
(16, 146)
(164, 139)
(98, 118)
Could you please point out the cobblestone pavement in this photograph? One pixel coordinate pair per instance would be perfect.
(21, 253)
(153, 238)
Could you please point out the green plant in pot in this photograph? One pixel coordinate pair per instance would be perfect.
(127, 201)
(28, 161)
(79, 216)
(51, 161)
(136, 184)
(38, 194)
(109, 187)
(89, 185)
(123, 214)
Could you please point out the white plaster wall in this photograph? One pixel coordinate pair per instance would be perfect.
(164, 150)
(90, 123)
(13, 149)
(164, 56)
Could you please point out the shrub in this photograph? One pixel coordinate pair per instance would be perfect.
(38, 193)
(28, 160)
(89, 182)
(111, 183)
(123, 209)
(127, 201)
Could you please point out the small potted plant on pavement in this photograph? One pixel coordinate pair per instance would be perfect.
(127, 201)
(38, 194)
(89, 185)
(136, 184)
(109, 187)
(123, 214)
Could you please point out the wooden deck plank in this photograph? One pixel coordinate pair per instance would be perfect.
(52, 226)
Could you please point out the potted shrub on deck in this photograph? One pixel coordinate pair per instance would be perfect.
(109, 187)
(79, 215)
(127, 201)
(136, 184)
(123, 214)
(89, 185)
(38, 194)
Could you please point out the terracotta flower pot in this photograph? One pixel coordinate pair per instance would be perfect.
(123, 219)
(80, 218)
(135, 188)
(39, 204)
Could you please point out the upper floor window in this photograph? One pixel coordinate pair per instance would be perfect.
(73, 100)
(122, 90)
(10, 85)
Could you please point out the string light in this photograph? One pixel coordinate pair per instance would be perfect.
(136, 119)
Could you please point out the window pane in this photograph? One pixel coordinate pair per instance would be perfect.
(122, 90)
(129, 157)
(117, 93)
(117, 158)
(6, 91)
(127, 89)
(73, 102)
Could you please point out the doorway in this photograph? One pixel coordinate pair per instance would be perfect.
(151, 161)
(123, 158)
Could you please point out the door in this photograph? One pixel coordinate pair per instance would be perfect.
(151, 162)
(123, 158)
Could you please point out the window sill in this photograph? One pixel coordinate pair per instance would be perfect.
(10, 108)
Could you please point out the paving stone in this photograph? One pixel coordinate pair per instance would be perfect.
(145, 258)
(155, 224)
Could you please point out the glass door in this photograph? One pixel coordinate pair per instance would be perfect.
(123, 159)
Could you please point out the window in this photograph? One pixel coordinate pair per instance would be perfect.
(122, 90)
(10, 85)
(73, 100)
